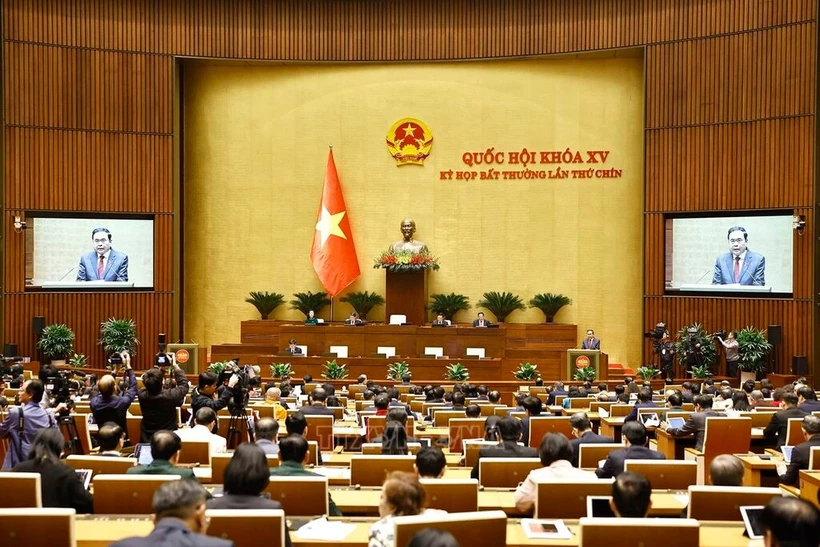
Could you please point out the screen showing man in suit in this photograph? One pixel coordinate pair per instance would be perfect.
(103, 263)
(740, 265)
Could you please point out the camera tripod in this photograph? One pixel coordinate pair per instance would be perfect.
(69, 430)
(237, 425)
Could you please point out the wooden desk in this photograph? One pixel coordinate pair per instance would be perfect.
(101, 531)
(343, 459)
(673, 447)
(810, 486)
(759, 472)
(340, 476)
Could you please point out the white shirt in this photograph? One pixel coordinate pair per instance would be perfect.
(216, 444)
(562, 470)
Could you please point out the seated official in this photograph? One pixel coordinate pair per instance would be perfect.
(317, 404)
(480, 321)
(557, 389)
(555, 454)
(273, 397)
(179, 519)
(440, 321)
(696, 423)
(204, 421)
(430, 463)
(267, 431)
(110, 437)
(353, 319)
(779, 422)
(394, 439)
(246, 477)
(644, 401)
(59, 484)
(790, 522)
(807, 399)
(204, 395)
(631, 495)
(381, 403)
(294, 350)
(158, 404)
(726, 470)
(293, 455)
(582, 431)
(801, 452)
(402, 495)
(109, 405)
(507, 433)
(634, 434)
(311, 318)
(533, 407)
(431, 537)
(165, 447)
(397, 415)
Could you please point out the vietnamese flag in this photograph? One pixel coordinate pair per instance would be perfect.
(333, 253)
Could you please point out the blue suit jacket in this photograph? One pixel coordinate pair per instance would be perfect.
(752, 270)
(115, 270)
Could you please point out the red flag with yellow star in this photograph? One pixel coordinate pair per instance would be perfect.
(333, 253)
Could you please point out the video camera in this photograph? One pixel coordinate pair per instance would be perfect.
(656, 334)
(720, 334)
(60, 389)
(244, 375)
(162, 358)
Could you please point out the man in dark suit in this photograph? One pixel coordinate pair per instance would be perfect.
(480, 321)
(179, 517)
(158, 405)
(440, 321)
(583, 433)
(533, 407)
(807, 400)
(801, 452)
(780, 420)
(293, 348)
(103, 263)
(557, 389)
(317, 406)
(508, 434)
(590, 342)
(696, 424)
(635, 435)
(644, 401)
(740, 265)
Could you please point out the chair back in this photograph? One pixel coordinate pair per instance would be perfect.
(628, 532)
(489, 409)
(814, 458)
(567, 499)
(375, 449)
(361, 404)
(425, 407)
(505, 472)
(303, 496)
(22, 526)
(589, 454)
(471, 447)
(375, 426)
(372, 470)
(101, 465)
(478, 528)
(20, 490)
(794, 432)
(501, 411)
(759, 419)
(127, 494)
(594, 406)
(620, 410)
(195, 452)
(441, 417)
(724, 502)
(580, 402)
(666, 474)
(541, 425)
(244, 527)
(320, 429)
(725, 436)
(353, 389)
(464, 428)
(133, 425)
(451, 495)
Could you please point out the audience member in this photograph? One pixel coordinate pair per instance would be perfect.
(779, 422)
(726, 470)
(491, 428)
(801, 452)
(110, 438)
(165, 447)
(267, 429)
(431, 537)
(508, 433)
(108, 405)
(740, 402)
(179, 519)
(631, 495)
(533, 407)
(557, 389)
(555, 454)
(473, 411)
(790, 522)
(582, 431)
(430, 463)
(644, 401)
(158, 405)
(402, 495)
(317, 406)
(273, 398)
(59, 484)
(381, 402)
(30, 417)
(696, 423)
(634, 434)
(808, 399)
(204, 421)
(293, 455)
(394, 439)
(494, 397)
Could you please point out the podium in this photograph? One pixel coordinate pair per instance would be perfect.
(580, 358)
(406, 294)
(186, 355)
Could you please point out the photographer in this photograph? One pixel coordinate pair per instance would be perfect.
(23, 422)
(108, 405)
(732, 352)
(17, 377)
(666, 352)
(204, 393)
(158, 405)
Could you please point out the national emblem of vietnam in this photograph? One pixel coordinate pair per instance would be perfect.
(409, 141)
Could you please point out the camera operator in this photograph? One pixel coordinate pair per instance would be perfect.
(732, 352)
(17, 377)
(108, 405)
(666, 351)
(158, 405)
(23, 422)
(204, 394)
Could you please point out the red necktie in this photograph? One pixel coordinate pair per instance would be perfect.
(737, 269)
(101, 264)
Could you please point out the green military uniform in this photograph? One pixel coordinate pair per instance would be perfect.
(293, 469)
(162, 467)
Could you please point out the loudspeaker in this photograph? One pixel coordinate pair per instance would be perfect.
(800, 365)
(775, 334)
(38, 323)
(10, 350)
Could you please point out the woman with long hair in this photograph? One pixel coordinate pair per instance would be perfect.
(394, 439)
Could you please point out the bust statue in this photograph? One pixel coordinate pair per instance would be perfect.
(408, 244)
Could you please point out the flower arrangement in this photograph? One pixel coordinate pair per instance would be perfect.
(406, 261)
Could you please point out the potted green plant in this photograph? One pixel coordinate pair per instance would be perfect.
(753, 350)
(306, 301)
(363, 302)
(501, 304)
(334, 371)
(118, 335)
(217, 367)
(456, 373)
(701, 371)
(396, 370)
(265, 302)
(694, 347)
(57, 343)
(549, 304)
(526, 372)
(281, 371)
(448, 304)
(78, 361)
(585, 374)
(647, 373)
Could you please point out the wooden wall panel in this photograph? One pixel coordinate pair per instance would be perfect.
(87, 170)
(48, 86)
(753, 165)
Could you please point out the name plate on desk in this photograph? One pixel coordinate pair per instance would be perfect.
(112, 285)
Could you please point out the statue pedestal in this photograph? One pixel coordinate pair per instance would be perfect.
(406, 294)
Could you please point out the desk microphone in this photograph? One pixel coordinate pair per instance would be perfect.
(64, 276)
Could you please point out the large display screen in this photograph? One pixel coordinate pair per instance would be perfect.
(89, 253)
(730, 254)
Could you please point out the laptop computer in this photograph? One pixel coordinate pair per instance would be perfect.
(85, 476)
(787, 453)
(676, 423)
(598, 506)
(751, 519)
(143, 454)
